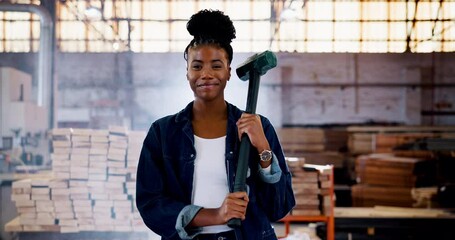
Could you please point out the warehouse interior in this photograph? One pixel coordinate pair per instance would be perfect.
(363, 94)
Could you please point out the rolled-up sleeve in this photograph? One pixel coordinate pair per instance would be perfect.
(272, 173)
(184, 218)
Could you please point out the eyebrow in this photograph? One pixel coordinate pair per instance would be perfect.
(213, 61)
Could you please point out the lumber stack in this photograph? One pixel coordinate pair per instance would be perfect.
(383, 139)
(312, 187)
(386, 142)
(296, 141)
(326, 185)
(34, 205)
(384, 179)
(336, 139)
(93, 184)
(361, 143)
(325, 158)
(425, 197)
(316, 145)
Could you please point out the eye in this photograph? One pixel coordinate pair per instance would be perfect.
(217, 66)
(196, 67)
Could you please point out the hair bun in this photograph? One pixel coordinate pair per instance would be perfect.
(211, 24)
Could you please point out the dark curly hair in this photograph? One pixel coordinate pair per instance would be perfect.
(211, 27)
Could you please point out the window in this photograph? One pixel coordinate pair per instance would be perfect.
(293, 26)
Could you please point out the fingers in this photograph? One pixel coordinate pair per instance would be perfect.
(251, 125)
(248, 123)
(247, 118)
(234, 206)
(241, 196)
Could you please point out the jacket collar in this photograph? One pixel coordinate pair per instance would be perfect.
(185, 114)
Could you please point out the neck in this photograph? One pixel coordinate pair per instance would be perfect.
(215, 110)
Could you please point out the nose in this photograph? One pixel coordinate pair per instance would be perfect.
(206, 73)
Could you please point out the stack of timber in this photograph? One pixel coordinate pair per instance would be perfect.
(92, 187)
(384, 139)
(312, 188)
(336, 139)
(336, 159)
(361, 143)
(296, 141)
(135, 139)
(316, 145)
(425, 197)
(385, 179)
(385, 143)
(34, 205)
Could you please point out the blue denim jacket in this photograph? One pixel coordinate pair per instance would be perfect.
(165, 179)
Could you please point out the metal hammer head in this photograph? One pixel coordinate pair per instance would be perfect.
(260, 63)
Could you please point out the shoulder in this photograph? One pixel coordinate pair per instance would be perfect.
(233, 111)
(163, 122)
(180, 117)
(170, 123)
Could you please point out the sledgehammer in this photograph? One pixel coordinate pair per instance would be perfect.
(252, 69)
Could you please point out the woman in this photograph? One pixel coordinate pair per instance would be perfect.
(186, 169)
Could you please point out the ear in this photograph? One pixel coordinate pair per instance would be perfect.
(229, 78)
(187, 78)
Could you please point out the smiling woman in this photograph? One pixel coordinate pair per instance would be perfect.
(186, 170)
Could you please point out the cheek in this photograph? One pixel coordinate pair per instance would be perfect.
(189, 76)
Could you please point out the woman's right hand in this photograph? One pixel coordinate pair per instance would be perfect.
(234, 206)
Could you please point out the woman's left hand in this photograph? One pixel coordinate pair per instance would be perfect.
(252, 126)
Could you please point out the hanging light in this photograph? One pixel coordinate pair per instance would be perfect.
(92, 13)
(288, 14)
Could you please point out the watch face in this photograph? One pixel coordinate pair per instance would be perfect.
(266, 155)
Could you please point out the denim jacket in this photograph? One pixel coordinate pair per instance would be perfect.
(165, 179)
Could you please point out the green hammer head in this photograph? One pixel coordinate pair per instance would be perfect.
(260, 63)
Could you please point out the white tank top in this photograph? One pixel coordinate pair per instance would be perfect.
(210, 185)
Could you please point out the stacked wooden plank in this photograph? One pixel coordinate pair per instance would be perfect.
(61, 145)
(325, 158)
(316, 145)
(33, 202)
(336, 139)
(327, 189)
(425, 197)
(386, 142)
(296, 141)
(93, 184)
(135, 140)
(361, 143)
(312, 187)
(385, 179)
(381, 139)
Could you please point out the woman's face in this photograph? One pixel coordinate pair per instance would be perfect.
(208, 71)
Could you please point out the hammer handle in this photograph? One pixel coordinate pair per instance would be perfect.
(245, 144)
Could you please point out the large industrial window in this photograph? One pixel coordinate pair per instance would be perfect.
(280, 25)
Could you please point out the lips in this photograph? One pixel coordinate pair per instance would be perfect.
(207, 84)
